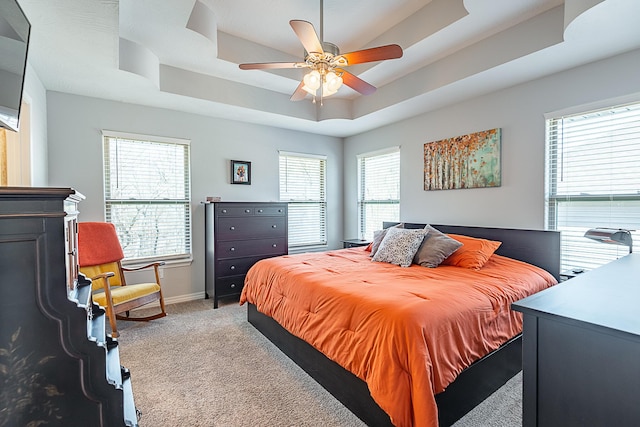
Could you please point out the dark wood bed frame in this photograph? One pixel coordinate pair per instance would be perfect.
(473, 385)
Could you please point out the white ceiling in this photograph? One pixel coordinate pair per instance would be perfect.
(150, 52)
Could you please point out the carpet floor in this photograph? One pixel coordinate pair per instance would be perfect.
(204, 367)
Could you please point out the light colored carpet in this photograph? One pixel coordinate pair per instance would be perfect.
(205, 367)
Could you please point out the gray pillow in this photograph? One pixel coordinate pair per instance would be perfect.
(399, 246)
(378, 235)
(435, 248)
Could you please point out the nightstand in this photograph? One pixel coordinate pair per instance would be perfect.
(570, 274)
(354, 243)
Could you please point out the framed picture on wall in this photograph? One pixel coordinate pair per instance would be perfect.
(240, 172)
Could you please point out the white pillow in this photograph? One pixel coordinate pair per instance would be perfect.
(399, 246)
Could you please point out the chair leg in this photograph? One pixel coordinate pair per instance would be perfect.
(162, 303)
(112, 321)
(114, 326)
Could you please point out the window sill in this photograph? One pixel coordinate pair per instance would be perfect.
(170, 263)
(304, 249)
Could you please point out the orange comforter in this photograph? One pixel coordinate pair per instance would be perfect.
(407, 332)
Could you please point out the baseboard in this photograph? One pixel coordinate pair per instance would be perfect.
(175, 300)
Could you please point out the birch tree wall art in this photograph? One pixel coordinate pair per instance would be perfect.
(467, 161)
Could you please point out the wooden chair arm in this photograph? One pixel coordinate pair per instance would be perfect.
(104, 276)
(106, 288)
(154, 264)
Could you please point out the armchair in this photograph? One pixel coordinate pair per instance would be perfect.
(99, 257)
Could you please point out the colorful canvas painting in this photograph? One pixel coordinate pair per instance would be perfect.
(467, 161)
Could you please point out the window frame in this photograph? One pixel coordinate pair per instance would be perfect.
(321, 201)
(175, 259)
(363, 232)
(578, 252)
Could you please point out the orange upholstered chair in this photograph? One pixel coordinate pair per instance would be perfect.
(99, 257)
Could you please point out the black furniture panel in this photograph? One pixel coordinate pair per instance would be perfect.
(237, 235)
(354, 243)
(581, 347)
(62, 369)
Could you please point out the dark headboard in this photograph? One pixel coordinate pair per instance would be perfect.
(538, 247)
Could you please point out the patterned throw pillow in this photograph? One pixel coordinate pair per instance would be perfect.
(378, 235)
(435, 248)
(399, 246)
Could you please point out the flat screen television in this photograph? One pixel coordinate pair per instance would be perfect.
(14, 43)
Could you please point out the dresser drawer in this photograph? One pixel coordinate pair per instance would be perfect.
(235, 266)
(250, 228)
(229, 285)
(242, 248)
(241, 210)
(271, 210)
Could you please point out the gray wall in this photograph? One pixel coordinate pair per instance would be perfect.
(519, 111)
(74, 146)
(36, 96)
(75, 159)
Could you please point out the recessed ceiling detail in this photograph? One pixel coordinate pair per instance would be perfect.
(188, 52)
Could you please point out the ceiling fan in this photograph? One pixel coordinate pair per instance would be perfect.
(327, 64)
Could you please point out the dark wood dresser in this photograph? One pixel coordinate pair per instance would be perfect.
(58, 365)
(237, 235)
(581, 349)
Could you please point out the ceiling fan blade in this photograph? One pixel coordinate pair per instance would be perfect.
(299, 93)
(356, 83)
(307, 35)
(380, 53)
(270, 65)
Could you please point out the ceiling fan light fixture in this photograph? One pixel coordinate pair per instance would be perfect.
(312, 82)
(332, 82)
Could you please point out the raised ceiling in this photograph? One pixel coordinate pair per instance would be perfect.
(184, 54)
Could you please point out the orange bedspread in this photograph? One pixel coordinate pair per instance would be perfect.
(407, 332)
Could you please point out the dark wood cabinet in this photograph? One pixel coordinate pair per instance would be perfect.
(581, 347)
(237, 235)
(58, 367)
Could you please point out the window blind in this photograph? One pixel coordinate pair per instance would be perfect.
(379, 190)
(302, 186)
(593, 180)
(147, 195)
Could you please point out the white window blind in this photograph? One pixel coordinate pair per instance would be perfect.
(302, 186)
(147, 193)
(593, 180)
(378, 190)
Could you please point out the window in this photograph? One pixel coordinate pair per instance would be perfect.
(592, 164)
(147, 193)
(378, 190)
(302, 185)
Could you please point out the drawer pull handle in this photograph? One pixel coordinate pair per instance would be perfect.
(233, 285)
(274, 245)
(280, 210)
(233, 267)
(232, 228)
(274, 226)
(232, 249)
(247, 211)
(259, 210)
(224, 211)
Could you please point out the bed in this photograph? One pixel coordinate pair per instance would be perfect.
(428, 360)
